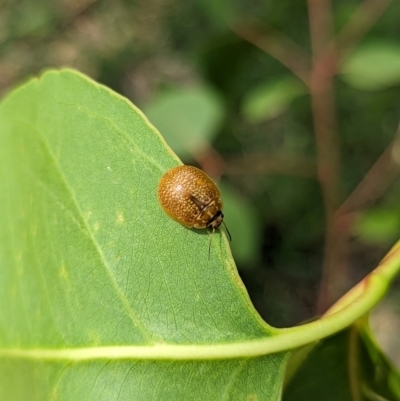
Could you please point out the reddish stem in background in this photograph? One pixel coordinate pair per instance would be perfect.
(322, 101)
(373, 185)
(326, 60)
(211, 162)
(277, 45)
(328, 51)
(363, 18)
(321, 25)
(272, 164)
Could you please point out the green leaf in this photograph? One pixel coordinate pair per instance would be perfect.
(373, 66)
(270, 99)
(379, 225)
(102, 296)
(351, 363)
(188, 118)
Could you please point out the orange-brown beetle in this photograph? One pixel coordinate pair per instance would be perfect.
(191, 198)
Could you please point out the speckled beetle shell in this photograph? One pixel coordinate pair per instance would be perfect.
(190, 197)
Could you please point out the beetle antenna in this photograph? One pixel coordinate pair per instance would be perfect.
(209, 245)
(229, 234)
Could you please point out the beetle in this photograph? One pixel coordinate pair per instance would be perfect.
(190, 197)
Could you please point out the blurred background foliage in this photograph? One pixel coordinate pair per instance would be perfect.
(207, 75)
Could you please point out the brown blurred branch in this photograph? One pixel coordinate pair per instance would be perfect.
(322, 100)
(278, 45)
(326, 58)
(359, 24)
(321, 25)
(273, 164)
(211, 162)
(370, 189)
(372, 186)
